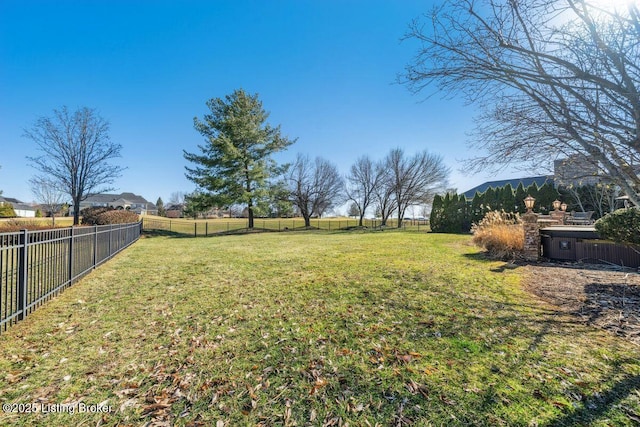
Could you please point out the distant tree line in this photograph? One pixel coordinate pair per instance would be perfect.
(234, 166)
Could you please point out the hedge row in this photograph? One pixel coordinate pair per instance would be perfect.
(107, 215)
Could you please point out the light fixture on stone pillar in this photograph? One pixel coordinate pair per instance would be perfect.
(529, 202)
(556, 204)
(563, 207)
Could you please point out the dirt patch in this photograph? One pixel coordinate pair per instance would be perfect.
(603, 296)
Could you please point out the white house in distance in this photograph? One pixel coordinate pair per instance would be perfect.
(126, 201)
(21, 209)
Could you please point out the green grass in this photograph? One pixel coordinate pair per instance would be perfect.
(315, 328)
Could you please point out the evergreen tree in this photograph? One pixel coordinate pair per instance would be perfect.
(235, 162)
(464, 211)
(489, 199)
(436, 217)
(477, 212)
(546, 195)
(354, 210)
(160, 207)
(521, 194)
(450, 214)
(508, 198)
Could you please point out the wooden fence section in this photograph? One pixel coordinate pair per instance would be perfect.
(37, 265)
(568, 247)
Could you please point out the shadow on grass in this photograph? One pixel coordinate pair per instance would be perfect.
(590, 408)
(595, 407)
(245, 231)
(182, 235)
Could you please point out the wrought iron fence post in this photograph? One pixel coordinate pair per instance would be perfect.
(22, 275)
(95, 246)
(71, 256)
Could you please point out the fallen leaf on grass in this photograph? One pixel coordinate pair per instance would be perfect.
(415, 388)
(154, 407)
(447, 401)
(559, 404)
(344, 352)
(320, 382)
(12, 378)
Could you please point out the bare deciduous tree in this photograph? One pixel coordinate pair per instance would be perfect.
(384, 201)
(49, 195)
(314, 187)
(76, 150)
(362, 181)
(553, 79)
(414, 180)
(177, 198)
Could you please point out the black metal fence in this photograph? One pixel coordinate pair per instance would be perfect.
(210, 227)
(37, 265)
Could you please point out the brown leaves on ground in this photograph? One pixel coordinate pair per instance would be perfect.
(603, 296)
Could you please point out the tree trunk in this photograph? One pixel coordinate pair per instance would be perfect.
(250, 210)
(360, 222)
(76, 212)
(307, 221)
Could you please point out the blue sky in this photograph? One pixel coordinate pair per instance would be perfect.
(325, 70)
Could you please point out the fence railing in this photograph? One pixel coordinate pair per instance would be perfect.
(37, 265)
(210, 227)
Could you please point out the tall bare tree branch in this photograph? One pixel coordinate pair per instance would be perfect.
(552, 78)
(76, 153)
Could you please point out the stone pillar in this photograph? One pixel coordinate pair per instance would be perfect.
(558, 216)
(531, 236)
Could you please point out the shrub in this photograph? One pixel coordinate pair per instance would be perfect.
(6, 211)
(116, 217)
(622, 226)
(90, 215)
(500, 233)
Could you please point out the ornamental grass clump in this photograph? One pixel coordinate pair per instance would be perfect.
(500, 233)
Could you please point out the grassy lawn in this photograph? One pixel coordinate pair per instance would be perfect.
(314, 328)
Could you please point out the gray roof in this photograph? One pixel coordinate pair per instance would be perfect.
(108, 198)
(9, 200)
(17, 204)
(526, 182)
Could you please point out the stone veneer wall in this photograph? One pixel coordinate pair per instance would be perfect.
(531, 236)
